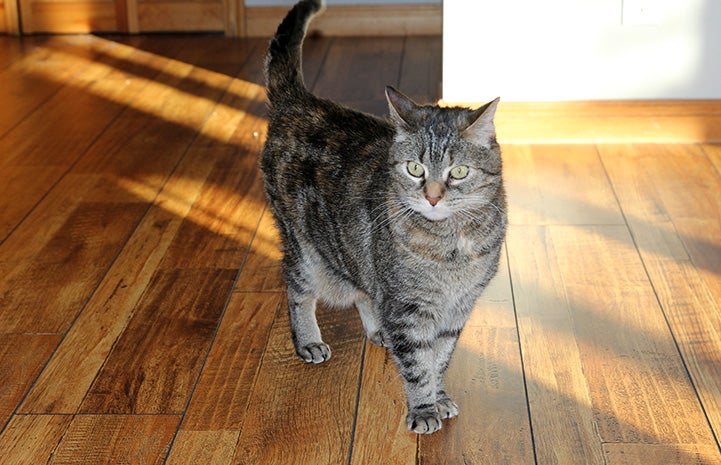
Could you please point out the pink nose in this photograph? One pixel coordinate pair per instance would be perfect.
(433, 200)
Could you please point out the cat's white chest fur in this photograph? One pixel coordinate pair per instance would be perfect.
(464, 245)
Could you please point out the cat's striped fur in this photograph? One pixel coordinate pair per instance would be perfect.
(403, 218)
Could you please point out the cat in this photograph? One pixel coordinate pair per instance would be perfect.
(402, 217)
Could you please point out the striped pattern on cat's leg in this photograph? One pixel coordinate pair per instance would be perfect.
(444, 347)
(303, 324)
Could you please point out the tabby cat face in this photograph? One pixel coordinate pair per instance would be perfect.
(445, 161)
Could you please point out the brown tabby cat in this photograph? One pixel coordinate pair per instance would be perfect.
(402, 218)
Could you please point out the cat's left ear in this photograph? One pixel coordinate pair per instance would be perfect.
(401, 108)
(481, 128)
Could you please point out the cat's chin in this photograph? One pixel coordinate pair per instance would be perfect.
(435, 214)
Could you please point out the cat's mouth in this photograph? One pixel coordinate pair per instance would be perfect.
(438, 212)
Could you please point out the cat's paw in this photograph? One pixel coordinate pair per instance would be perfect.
(446, 407)
(316, 352)
(424, 421)
(377, 339)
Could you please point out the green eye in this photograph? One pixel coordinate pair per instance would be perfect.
(459, 172)
(415, 169)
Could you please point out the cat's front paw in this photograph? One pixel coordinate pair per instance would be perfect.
(446, 407)
(316, 352)
(377, 339)
(424, 421)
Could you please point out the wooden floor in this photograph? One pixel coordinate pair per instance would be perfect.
(142, 318)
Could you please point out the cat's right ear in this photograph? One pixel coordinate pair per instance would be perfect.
(401, 108)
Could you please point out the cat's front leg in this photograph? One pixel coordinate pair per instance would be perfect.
(414, 355)
(304, 327)
(444, 346)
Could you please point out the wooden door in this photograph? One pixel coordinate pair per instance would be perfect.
(81, 16)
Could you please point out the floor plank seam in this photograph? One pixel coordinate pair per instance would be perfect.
(357, 401)
(521, 358)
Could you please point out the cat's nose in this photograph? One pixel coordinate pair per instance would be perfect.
(433, 200)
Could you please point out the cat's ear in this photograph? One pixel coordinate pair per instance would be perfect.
(401, 108)
(481, 128)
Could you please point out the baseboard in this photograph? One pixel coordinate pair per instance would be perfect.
(655, 121)
(353, 20)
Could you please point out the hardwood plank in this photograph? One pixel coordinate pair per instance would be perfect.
(220, 225)
(421, 68)
(69, 374)
(359, 71)
(564, 428)
(146, 158)
(313, 418)
(381, 434)
(184, 196)
(262, 270)
(220, 400)
(44, 67)
(713, 152)
(32, 438)
(155, 363)
(22, 356)
(639, 388)
(558, 184)
(114, 439)
(679, 248)
(485, 379)
(642, 454)
(32, 151)
(47, 293)
(11, 50)
(203, 447)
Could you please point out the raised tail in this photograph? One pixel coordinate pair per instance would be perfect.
(283, 72)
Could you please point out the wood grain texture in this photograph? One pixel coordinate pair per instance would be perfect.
(641, 454)
(221, 399)
(348, 63)
(381, 434)
(111, 440)
(558, 184)
(420, 72)
(638, 385)
(22, 356)
(155, 363)
(564, 427)
(32, 438)
(317, 412)
(671, 210)
(65, 381)
(203, 447)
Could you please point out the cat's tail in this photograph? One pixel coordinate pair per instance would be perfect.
(283, 62)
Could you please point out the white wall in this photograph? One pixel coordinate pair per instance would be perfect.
(339, 2)
(531, 50)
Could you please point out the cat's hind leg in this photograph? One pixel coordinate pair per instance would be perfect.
(369, 317)
(304, 326)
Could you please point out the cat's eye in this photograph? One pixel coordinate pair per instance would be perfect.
(415, 169)
(459, 172)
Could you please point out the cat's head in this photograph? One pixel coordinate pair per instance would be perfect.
(445, 161)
